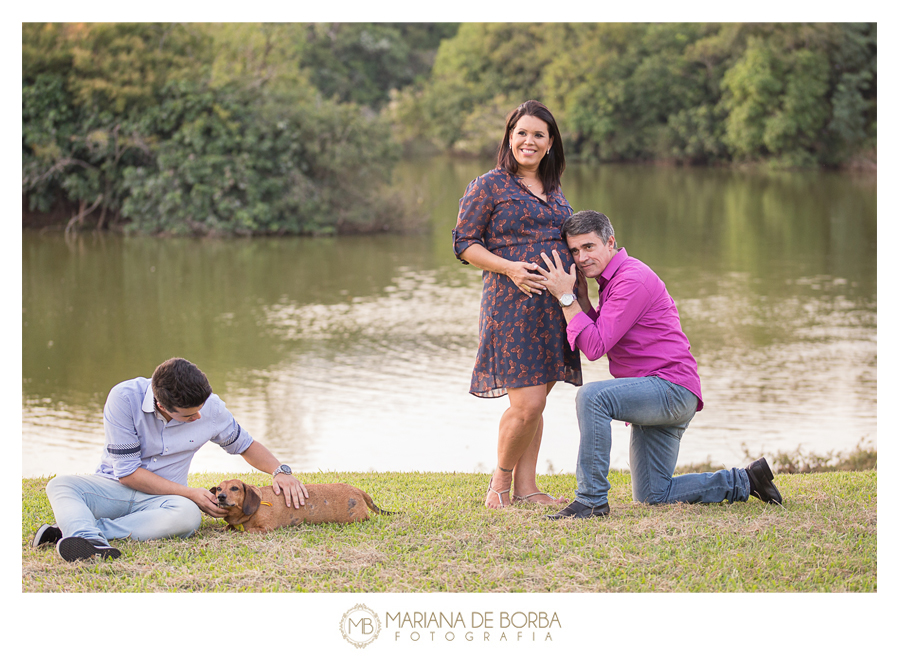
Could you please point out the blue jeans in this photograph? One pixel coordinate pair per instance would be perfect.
(100, 509)
(659, 412)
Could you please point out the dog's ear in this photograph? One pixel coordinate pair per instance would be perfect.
(251, 500)
(212, 490)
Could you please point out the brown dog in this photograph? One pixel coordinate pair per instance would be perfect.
(259, 509)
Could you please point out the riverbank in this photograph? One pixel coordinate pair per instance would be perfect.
(407, 216)
(824, 539)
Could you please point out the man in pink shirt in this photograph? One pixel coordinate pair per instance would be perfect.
(655, 388)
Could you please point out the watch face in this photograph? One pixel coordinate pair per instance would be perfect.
(284, 468)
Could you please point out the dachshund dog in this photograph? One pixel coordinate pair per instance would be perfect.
(259, 509)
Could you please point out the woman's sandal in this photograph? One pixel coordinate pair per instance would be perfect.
(524, 499)
(498, 493)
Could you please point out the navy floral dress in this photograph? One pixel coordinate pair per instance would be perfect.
(522, 340)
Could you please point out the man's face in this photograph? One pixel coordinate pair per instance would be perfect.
(590, 254)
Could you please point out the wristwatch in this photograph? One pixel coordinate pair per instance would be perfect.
(284, 468)
(567, 300)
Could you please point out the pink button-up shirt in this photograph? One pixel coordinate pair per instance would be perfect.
(636, 325)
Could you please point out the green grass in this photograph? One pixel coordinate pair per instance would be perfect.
(443, 540)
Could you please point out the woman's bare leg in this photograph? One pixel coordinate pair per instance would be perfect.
(525, 472)
(519, 442)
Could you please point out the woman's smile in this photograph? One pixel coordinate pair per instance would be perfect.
(530, 140)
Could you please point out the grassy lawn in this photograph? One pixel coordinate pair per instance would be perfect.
(443, 540)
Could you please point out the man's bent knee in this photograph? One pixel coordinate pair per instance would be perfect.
(186, 516)
(591, 395)
(592, 406)
(652, 498)
(176, 516)
(648, 495)
(582, 398)
(59, 484)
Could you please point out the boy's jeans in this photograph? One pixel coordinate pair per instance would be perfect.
(659, 412)
(100, 509)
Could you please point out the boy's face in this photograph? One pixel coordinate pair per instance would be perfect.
(188, 415)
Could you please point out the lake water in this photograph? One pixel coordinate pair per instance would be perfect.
(355, 353)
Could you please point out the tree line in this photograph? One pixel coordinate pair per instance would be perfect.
(209, 128)
(792, 95)
(294, 128)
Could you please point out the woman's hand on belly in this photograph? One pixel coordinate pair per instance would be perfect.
(526, 277)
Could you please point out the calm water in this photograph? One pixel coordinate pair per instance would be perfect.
(355, 353)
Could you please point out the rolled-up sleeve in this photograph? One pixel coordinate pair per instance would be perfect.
(475, 209)
(122, 442)
(233, 438)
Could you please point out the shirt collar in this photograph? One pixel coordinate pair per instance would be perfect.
(613, 265)
(148, 406)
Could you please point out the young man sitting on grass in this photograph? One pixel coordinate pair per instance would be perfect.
(139, 491)
(656, 386)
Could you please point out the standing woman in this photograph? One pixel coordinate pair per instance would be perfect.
(507, 217)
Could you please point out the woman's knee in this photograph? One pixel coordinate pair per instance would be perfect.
(529, 407)
(528, 414)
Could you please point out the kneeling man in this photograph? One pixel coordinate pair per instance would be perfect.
(139, 491)
(656, 387)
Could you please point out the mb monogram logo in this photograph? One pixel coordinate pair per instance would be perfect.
(360, 626)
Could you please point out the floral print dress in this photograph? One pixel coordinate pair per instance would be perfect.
(522, 340)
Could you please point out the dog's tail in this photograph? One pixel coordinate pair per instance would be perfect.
(372, 506)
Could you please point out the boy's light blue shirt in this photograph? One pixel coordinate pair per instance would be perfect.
(137, 435)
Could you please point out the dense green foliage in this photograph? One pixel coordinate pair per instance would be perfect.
(294, 128)
(214, 128)
(362, 62)
(790, 94)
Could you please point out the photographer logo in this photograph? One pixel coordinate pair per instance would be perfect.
(360, 626)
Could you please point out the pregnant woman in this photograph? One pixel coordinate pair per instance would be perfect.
(507, 217)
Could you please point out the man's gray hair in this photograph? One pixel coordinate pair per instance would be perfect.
(588, 221)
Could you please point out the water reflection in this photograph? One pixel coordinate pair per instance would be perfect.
(356, 353)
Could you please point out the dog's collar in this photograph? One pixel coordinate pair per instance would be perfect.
(240, 526)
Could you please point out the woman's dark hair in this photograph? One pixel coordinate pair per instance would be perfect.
(179, 383)
(553, 164)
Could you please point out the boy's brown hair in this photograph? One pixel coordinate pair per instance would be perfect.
(179, 383)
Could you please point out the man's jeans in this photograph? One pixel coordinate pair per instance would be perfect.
(100, 509)
(659, 412)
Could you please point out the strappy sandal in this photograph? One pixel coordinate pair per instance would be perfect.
(498, 493)
(524, 499)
